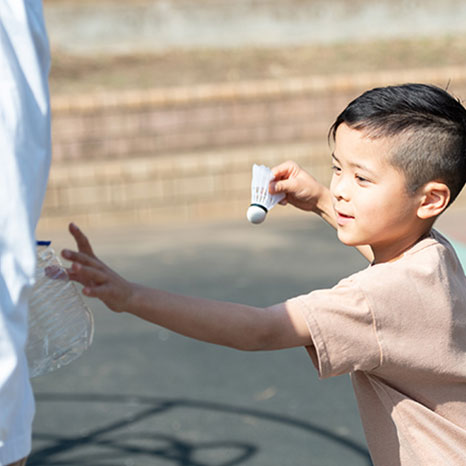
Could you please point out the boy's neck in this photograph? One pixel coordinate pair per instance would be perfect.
(396, 251)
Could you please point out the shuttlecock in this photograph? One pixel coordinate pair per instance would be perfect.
(261, 200)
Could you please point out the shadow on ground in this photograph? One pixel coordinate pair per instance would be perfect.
(159, 446)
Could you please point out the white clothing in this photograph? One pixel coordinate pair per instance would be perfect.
(25, 147)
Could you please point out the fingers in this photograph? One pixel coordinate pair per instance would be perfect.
(93, 291)
(87, 276)
(284, 175)
(288, 186)
(81, 240)
(103, 284)
(101, 292)
(285, 170)
(277, 187)
(80, 257)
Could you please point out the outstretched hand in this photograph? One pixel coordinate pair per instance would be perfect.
(99, 280)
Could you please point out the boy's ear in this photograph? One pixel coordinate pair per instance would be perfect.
(435, 197)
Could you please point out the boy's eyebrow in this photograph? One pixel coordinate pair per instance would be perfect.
(356, 165)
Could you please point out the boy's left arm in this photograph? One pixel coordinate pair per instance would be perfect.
(228, 324)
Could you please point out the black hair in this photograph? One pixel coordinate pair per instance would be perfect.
(429, 123)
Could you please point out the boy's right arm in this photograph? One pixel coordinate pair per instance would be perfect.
(229, 324)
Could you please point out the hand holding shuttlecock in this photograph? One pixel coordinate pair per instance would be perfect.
(261, 199)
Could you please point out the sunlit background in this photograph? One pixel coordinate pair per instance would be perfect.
(160, 107)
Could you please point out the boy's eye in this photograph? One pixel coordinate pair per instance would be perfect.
(361, 179)
(336, 169)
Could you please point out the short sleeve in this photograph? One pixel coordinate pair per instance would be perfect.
(342, 328)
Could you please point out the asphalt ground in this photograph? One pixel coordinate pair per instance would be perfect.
(144, 396)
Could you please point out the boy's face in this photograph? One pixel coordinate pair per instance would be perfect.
(371, 203)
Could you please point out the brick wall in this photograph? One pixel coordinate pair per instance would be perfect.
(186, 153)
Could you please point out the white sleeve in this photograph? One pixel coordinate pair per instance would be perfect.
(25, 159)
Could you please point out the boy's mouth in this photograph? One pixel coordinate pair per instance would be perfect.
(343, 219)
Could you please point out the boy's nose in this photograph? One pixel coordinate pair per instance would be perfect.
(339, 187)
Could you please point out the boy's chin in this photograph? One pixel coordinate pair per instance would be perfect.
(348, 240)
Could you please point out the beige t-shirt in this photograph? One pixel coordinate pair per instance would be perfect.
(400, 329)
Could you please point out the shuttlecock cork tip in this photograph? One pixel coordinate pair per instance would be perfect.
(256, 213)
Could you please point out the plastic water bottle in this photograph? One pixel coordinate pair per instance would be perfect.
(61, 326)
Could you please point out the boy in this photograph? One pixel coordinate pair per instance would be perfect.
(399, 326)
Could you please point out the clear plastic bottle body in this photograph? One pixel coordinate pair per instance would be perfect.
(61, 326)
